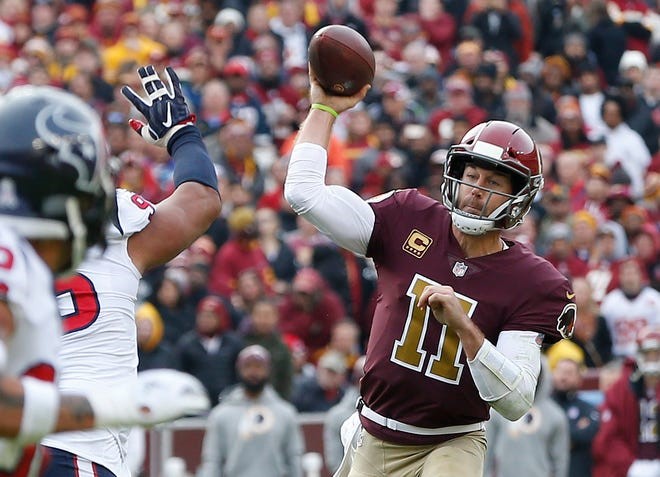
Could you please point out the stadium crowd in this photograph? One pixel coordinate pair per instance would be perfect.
(582, 77)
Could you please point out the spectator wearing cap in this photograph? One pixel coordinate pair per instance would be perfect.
(263, 329)
(560, 252)
(153, 352)
(253, 432)
(518, 106)
(572, 129)
(209, 351)
(567, 366)
(556, 76)
(631, 305)
(398, 106)
(418, 143)
(633, 218)
(591, 333)
(584, 227)
(618, 198)
(241, 252)
(458, 101)
(590, 98)
(311, 309)
(625, 147)
(320, 392)
(244, 103)
(233, 21)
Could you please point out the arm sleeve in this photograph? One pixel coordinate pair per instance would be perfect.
(506, 375)
(336, 211)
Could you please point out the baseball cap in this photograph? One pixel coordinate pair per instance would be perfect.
(564, 350)
(236, 67)
(633, 59)
(253, 353)
(334, 361)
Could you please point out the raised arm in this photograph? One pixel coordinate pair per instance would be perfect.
(195, 203)
(336, 211)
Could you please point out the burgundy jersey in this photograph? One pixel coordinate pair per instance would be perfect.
(416, 370)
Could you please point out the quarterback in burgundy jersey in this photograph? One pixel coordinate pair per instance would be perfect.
(461, 314)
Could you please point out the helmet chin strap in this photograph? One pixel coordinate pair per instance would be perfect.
(475, 225)
(471, 225)
(78, 234)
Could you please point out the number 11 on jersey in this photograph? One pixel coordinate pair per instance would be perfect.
(443, 365)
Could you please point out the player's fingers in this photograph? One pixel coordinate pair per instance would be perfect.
(135, 100)
(173, 82)
(152, 83)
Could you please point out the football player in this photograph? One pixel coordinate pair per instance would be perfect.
(461, 313)
(98, 303)
(54, 197)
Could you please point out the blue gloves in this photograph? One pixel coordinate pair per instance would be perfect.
(166, 110)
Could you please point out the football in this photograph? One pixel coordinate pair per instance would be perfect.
(341, 59)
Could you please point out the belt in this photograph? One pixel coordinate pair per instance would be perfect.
(420, 431)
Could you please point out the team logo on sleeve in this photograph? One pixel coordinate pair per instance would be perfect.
(417, 243)
(566, 320)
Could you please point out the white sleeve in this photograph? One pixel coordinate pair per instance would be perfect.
(336, 211)
(506, 375)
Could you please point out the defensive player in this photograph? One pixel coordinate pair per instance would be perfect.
(461, 313)
(98, 303)
(54, 200)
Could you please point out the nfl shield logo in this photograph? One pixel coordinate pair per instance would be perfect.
(459, 269)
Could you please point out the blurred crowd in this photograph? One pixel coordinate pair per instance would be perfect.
(582, 77)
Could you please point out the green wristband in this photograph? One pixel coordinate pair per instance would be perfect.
(325, 108)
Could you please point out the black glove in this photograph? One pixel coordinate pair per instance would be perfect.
(166, 110)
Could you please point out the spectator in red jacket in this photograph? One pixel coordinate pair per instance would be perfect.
(311, 310)
(626, 444)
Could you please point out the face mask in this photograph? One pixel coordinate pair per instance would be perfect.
(254, 387)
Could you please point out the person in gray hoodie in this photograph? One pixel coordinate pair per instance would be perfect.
(537, 444)
(252, 432)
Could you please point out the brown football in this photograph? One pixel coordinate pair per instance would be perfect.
(341, 59)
